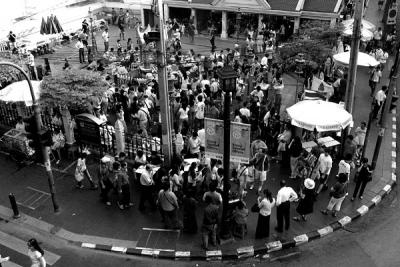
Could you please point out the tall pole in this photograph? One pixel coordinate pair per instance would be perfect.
(45, 154)
(392, 84)
(166, 138)
(226, 161)
(94, 45)
(352, 74)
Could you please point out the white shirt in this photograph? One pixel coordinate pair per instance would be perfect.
(79, 45)
(266, 206)
(200, 110)
(344, 167)
(245, 112)
(264, 61)
(105, 36)
(202, 136)
(325, 163)
(380, 97)
(285, 194)
(146, 178)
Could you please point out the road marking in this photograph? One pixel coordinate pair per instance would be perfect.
(21, 247)
(35, 199)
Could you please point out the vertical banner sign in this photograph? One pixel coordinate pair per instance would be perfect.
(214, 147)
(240, 142)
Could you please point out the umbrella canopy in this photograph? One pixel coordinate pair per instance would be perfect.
(58, 25)
(363, 59)
(43, 27)
(366, 35)
(320, 115)
(19, 92)
(364, 23)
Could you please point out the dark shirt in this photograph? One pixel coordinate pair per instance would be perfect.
(339, 190)
(210, 215)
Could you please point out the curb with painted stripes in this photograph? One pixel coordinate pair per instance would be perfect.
(251, 251)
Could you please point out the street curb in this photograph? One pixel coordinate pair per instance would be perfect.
(222, 254)
(251, 251)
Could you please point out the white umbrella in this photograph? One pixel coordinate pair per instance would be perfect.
(366, 35)
(320, 115)
(364, 23)
(363, 59)
(20, 92)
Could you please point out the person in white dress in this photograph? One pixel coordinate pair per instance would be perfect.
(36, 253)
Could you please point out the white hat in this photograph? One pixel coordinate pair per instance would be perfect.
(309, 183)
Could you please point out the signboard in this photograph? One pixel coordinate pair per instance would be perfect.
(214, 140)
(240, 142)
(88, 129)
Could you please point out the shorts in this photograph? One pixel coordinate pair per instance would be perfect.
(260, 175)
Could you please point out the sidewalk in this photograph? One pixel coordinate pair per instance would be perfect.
(83, 219)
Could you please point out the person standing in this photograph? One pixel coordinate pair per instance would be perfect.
(363, 176)
(210, 221)
(338, 193)
(146, 185)
(35, 253)
(123, 187)
(79, 45)
(120, 130)
(359, 138)
(105, 181)
(212, 42)
(261, 166)
(379, 99)
(189, 212)
(307, 199)
(169, 206)
(12, 38)
(325, 165)
(31, 66)
(285, 195)
(265, 203)
(106, 39)
(374, 78)
(240, 215)
(295, 150)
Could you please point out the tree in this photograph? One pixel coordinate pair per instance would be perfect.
(315, 40)
(74, 89)
(9, 74)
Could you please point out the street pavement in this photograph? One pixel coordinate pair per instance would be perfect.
(82, 213)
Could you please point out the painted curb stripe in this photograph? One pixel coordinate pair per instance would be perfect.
(88, 245)
(150, 252)
(182, 254)
(134, 251)
(274, 246)
(167, 254)
(288, 244)
(260, 250)
(245, 252)
(335, 226)
(344, 221)
(363, 210)
(313, 235)
(301, 239)
(387, 188)
(325, 231)
(119, 249)
(376, 199)
(103, 247)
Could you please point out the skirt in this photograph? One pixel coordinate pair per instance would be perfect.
(262, 230)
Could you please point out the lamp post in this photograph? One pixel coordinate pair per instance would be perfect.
(238, 19)
(299, 71)
(227, 76)
(45, 154)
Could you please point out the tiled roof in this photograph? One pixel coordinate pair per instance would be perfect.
(319, 5)
(286, 5)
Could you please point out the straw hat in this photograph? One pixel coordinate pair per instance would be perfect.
(309, 183)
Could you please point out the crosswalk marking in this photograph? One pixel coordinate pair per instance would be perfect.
(21, 247)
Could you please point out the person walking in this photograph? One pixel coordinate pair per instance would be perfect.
(35, 253)
(123, 187)
(168, 203)
(261, 166)
(146, 186)
(81, 172)
(307, 199)
(265, 203)
(80, 46)
(338, 194)
(285, 195)
(240, 215)
(295, 150)
(363, 176)
(106, 39)
(210, 221)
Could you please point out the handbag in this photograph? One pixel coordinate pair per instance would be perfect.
(255, 208)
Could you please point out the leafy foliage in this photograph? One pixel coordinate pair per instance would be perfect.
(315, 40)
(9, 74)
(74, 89)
